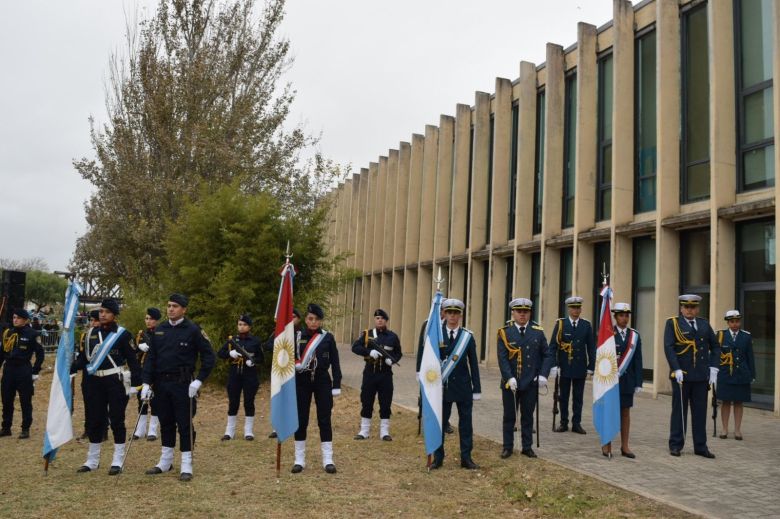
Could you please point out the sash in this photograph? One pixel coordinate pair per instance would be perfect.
(309, 351)
(102, 350)
(628, 353)
(456, 355)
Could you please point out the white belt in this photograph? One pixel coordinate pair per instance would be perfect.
(107, 372)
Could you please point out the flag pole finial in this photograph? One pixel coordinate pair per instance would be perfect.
(439, 280)
(287, 253)
(604, 274)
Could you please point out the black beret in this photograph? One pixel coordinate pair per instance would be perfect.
(111, 305)
(179, 299)
(94, 314)
(154, 313)
(296, 313)
(381, 313)
(316, 310)
(244, 318)
(21, 312)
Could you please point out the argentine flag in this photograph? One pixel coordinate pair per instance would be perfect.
(606, 391)
(284, 406)
(430, 379)
(59, 423)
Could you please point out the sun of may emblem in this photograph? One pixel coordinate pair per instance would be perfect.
(606, 366)
(431, 376)
(283, 363)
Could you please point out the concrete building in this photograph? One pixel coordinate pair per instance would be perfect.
(646, 148)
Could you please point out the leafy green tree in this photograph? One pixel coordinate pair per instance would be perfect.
(44, 289)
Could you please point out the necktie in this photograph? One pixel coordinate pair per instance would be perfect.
(452, 336)
(623, 334)
(574, 325)
(734, 335)
(522, 331)
(693, 324)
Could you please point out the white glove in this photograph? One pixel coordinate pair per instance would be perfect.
(249, 363)
(36, 377)
(512, 384)
(146, 392)
(714, 376)
(374, 354)
(194, 386)
(234, 354)
(477, 396)
(133, 391)
(542, 381)
(554, 371)
(637, 390)
(143, 347)
(590, 372)
(388, 362)
(335, 391)
(678, 374)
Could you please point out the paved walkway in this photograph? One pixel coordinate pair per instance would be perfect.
(741, 482)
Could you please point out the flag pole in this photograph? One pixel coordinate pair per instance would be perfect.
(439, 280)
(287, 256)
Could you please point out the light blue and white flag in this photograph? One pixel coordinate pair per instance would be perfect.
(59, 423)
(430, 379)
(606, 389)
(284, 403)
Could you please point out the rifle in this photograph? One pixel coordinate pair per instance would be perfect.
(241, 350)
(556, 395)
(373, 345)
(714, 412)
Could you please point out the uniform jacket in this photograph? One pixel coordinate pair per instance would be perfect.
(632, 377)
(122, 352)
(583, 347)
(680, 349)
(175, 349)
(252, 346)
(19, 345)
(536, 356)
(737, 365)
(387, 340)
(326, 356)
(463, 382)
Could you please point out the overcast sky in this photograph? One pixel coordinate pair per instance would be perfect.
(368, 75)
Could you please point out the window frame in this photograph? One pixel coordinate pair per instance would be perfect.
(602, 143)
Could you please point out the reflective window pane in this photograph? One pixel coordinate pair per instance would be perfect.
(756, 19)
(759, 123)
(698, 181)
(757, 252)
(758, 167)
(645, 125)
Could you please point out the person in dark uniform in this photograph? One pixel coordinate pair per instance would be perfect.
(575, 350)
(693, 353)
(737, 372)
(243, 377)
(176, 346)
(93, 322)
(315, 352)
(525, 360)
(269, 345)
(20, 342)
(628, 347)
(143, 339)
(460, 379)
(106, 388)
(377, 374)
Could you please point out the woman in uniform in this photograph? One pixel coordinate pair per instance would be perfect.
(737, 372)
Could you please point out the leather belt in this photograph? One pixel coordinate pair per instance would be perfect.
(107, 372)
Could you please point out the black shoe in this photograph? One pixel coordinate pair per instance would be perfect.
(136, 437)
(449, 429)
(296, 469)
(562, 428)
(227, 437)
(705, 454)
(577, 428)
(249, 437)
(156, 470)
(387, 438)
(114, 470)
(675, 452)
(738, 437)
(629, 455)
(151, 438)
(359, 437)
(5, 432)
(528, 452)
(185, 476)
(330, 468)
(469, 464)
(84, 436)
(83, 468)
(506, 453)
(273, 434)
(436, 464)
(24, 434)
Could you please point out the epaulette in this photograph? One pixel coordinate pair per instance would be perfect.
(747, 332)
(508, 324)
(466, 329)
(537, 327)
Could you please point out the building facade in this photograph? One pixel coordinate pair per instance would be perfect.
(645, 150)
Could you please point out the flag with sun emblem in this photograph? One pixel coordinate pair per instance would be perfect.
(606, 390)
(430, 379)
(284, 407)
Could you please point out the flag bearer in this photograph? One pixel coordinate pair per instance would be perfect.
(377, 374)
(737, 371)
(20, 342)
(143, 339)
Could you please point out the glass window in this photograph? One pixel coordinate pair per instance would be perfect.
(695, 267)
(756, 165)
(569, 149)
(539, 161)
(536, 261)
(510, 268)
(695, 149)
(490, 178)
(485, 290)
(643, 316)
(756, 300)
(644, 124)
(471, 178)
(604, 181)
(565, 284)
(513, 170)
(600, 267)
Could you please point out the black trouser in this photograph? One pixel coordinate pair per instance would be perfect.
(246, 382)
(173, 403)
(376, 382)
(320, 387)
(526, 401)
(694, 393)
(465, 429)
(578, 388)
(17, 378)
(105, 400)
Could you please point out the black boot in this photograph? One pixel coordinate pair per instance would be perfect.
(24, 434)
